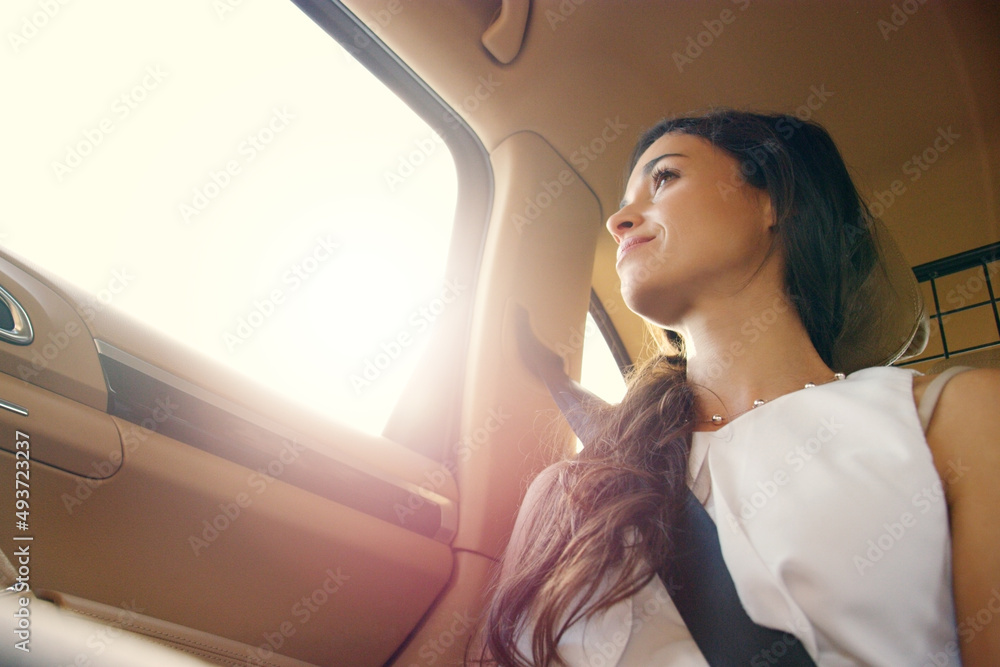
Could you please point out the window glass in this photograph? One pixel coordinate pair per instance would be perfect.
(599, 373)
(227, 173)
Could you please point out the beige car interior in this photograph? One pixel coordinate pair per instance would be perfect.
(219, 523)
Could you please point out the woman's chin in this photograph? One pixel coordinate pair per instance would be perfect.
(655, 306)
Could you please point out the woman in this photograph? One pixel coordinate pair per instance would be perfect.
(841, 520)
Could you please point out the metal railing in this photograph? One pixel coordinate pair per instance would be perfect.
(932, 272)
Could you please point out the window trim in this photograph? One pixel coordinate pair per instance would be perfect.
(610, 333)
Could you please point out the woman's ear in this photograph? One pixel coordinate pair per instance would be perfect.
(769, 218)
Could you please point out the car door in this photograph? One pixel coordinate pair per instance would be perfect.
(152, 482)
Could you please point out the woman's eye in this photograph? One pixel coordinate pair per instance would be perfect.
(661, 176)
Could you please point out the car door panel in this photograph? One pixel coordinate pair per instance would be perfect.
(208, 502)
(203, 546)
(61, 357)
(65, 434)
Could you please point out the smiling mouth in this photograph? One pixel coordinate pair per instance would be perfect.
(630, 243)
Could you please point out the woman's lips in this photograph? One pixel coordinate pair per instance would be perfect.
(630, 243)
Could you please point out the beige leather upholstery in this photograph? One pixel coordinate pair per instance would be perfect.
(59, 637)
(66, 630)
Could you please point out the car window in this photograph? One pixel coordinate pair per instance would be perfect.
(600, 373)
(229, 174)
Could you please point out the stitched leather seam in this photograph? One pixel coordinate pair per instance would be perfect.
(178, 641)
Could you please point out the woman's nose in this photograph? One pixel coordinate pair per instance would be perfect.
(625, 218)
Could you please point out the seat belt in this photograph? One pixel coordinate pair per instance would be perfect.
(696, 577)
(704, 593)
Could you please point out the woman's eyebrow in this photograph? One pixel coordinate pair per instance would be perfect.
(647, 169)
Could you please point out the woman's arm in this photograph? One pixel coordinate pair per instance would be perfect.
(964, 437)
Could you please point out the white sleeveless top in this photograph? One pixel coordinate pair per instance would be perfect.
(833, 524)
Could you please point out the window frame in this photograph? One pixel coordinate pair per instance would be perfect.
(610, 333)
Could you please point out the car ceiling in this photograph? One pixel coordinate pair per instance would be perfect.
(886, 78)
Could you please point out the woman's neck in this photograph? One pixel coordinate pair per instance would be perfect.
(749, 348)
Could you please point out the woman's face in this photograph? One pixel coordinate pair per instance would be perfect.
(690, 229)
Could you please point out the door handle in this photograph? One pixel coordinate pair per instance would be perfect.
(20, 332)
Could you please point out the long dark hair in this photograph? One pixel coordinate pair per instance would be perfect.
(606, 516)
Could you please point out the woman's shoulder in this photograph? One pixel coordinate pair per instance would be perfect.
(532, 502)
(964, 429)
(969, 390)
(960, 412)
(971, 394)
(542, 482)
